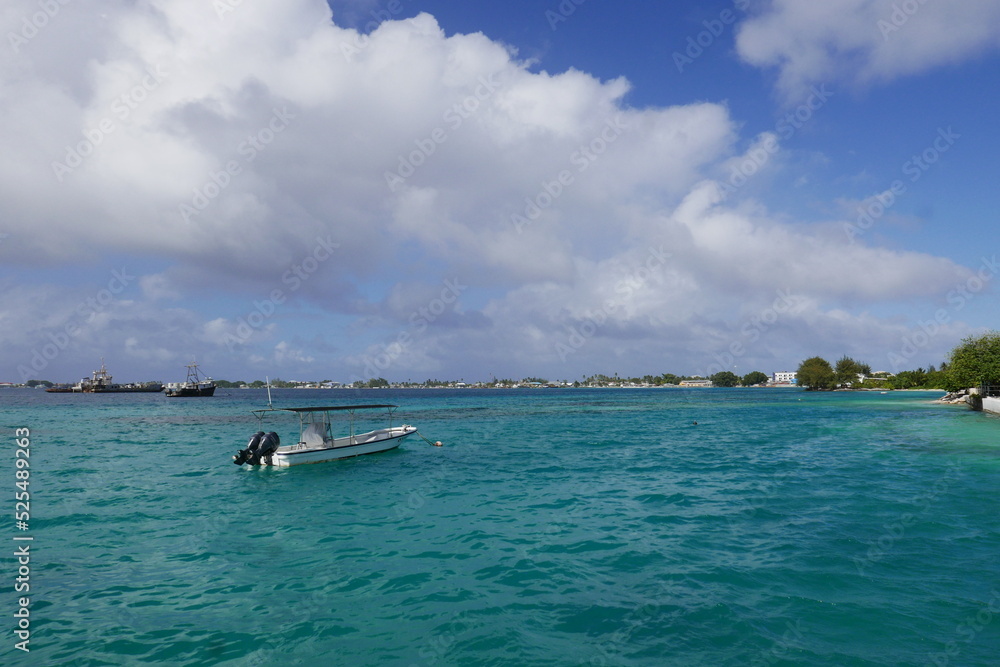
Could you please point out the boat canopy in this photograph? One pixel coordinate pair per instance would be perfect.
(332, 408)
(315, 430)
(337, 407)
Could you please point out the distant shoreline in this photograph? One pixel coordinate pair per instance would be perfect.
(650, 386)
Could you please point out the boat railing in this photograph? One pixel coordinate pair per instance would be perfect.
(989, 390)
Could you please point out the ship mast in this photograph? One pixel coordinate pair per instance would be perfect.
(101, 376)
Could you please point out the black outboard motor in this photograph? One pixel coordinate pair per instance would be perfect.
(260, 445)
(268, 445)
(244, 455)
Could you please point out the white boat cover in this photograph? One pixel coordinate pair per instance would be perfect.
(314, 435)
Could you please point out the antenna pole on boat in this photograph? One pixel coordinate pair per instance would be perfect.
(268, 390)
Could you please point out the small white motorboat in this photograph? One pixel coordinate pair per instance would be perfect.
(316, 442)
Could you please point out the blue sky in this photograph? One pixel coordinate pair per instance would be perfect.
(431, 189)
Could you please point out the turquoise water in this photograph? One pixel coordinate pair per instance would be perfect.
(555, 527)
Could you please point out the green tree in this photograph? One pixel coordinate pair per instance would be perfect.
(937, 379)
(975, 362)
(724, 379)
(816, 373)
(756, 377)
(847, 370)
(377, 382)
(909, 379)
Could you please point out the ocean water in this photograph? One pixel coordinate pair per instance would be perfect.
(554, 527)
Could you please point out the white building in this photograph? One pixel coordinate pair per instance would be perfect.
(784, 377)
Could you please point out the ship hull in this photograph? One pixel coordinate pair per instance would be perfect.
(144, 389)
(191, 392)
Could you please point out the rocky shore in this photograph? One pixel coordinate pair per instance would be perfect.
(955, 397)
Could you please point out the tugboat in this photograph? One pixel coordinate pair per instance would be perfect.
(100, 383)
(193, 386)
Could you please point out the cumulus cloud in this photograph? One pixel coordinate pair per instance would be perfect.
(309, 175)
(864, 41)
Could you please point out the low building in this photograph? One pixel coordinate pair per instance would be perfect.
(785, 377)
(696, 383)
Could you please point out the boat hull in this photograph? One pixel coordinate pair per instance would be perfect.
(151, 388)
(194, 386)
(373, 442)
(190, 392)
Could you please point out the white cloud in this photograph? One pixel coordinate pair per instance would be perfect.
(284, 353)
(184, 95)
(58, 333)
(158, 286)
(865, 41)
(543, 193)
(746, 253)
